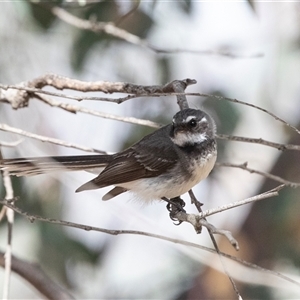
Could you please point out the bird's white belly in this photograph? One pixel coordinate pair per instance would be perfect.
(170, 187)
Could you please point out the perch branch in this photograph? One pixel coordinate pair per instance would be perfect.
(33, 218)
(198, 222)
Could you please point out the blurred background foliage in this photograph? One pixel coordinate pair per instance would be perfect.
(268, 231)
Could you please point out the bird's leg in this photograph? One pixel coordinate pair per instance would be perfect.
(174, 206)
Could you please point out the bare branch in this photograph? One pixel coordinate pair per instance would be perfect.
(35, 275)
(32, 218)
(21, 97)
(18, 98)
(260, 141)
(75, 109)
(198, 222)
(15, 95)
(247, 104)
(62, 82)
(179, 87)
(244, 166)
(25, 90)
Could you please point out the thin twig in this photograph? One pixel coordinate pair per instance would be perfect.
(244, 166)
(42, 138)
(265, 195)
(211, 230)
(235, 288)
(75, 109)
(10, 221)
(260, 141)
(247, 104)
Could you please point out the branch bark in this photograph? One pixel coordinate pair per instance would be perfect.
(19, 95)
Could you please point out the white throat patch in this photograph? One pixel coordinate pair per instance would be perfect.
(183, 138)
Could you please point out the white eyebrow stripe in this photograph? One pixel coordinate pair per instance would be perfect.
(203, 120)
(189, 118)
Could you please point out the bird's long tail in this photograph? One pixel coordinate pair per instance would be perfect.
(28, 166)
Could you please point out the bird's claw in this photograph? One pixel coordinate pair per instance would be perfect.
(174, 206)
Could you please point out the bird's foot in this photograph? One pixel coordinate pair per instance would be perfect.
(174, 206)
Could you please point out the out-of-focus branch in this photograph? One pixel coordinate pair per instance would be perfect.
(99, 27)
(11, 144)
(111, 29)
(35, 276)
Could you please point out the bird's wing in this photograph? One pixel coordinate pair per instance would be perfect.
(131, 165)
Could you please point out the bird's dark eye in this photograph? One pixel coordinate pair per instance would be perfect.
(192, 123)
